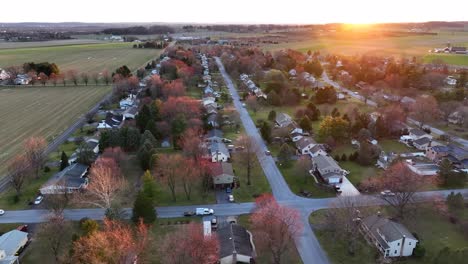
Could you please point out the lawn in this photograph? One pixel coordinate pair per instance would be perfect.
(433, 229)
(259, 183)
(453, 59)
(41, 111)
(82, 58)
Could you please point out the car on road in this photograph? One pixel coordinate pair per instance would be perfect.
(267, 152)
(387, 193)
(2, 212)
(231, 198)
(38, 199)
(228, 190)
(204, 211)
(243, 105)
(189, 213)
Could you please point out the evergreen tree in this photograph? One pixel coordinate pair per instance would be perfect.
(143, 208)
(306, 124)
(455, 202)
(143, 117)
(285, 153)
(272, 115)
(343, 157)
(380, 128)
(265, 131)
(149, 185)
(449, 177)
(63, 161)
(132, 141)
(145, 155)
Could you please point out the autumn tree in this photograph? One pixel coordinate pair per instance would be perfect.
(169, 169)
(252, 103)
(43, 78)
(248, 156)
(95, 77)
(190, 142)
(106, 182)
(106, 77)
(425, 109)
(34, 148)
(400, 180)
(189, 245)
(335, 127)
(85, 78)
(19, 172)
(303, 166)
(115, 242)
(275, 227)
(55, 234)
(73, 76)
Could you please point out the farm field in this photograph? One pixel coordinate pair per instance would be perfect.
(44, 111)
(62, 42)
(386, 46)
(82, 58)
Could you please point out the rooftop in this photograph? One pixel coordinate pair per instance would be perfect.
(234, 238)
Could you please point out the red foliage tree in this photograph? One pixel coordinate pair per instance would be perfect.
(186, 106)
(174, 88)
(190, 143)
(275, 227)
(34, 148)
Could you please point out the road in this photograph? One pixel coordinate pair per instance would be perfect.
(411, 121)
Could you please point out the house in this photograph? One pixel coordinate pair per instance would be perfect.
(422, 168)
(422, 143)
(214, 135)
(165, 143)
(212, 120)
(236, 245)
(340, 96)
(22, 79)
(93, 145)
(457, 155)
(72, 178)
(326, 167)
(222, 174)
(127, 102)
(131, 113)
(218, 152)
(208, 90)
(292, 73)
(12, 243)
(450, 81)
(392, 239)
(304, 145)
(318, 149)
(211, 109)
(456, 118)
(283, 120)
(111, 121)
(4, 75)
(458, 50)
(385, 159)
(415, 134)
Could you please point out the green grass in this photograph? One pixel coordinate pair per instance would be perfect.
(28, 193)
(44, 111)
(297, 183)
(358, 173)
(433, 229)
(259, 183)
(392, 145)
(453, 59)
(82, 58)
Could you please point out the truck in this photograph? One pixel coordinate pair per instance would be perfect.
(204, 211)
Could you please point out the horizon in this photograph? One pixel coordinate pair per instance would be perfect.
(241, 12)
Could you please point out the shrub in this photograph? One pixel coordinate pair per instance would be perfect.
(419, 251)
(46, 169)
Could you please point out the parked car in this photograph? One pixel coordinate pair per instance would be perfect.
(38, 199)
(204, 211)
(23, 228)
(231, 198)
(2, 212)
(189, 213)
(243, 104)
(387, 193)
(267, 152)
(228, 190)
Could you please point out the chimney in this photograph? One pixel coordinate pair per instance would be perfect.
(402, 245)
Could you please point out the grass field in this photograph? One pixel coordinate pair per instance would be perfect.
(45, 111)
(35, 44)
(82, 58)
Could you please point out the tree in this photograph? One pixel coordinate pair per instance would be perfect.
(95, 77)
(248, 157)
(43, 78)
(403, 182)
(19, 172)
(272, 115)
(73, 76)
(306, 124)
(124, 71)
(189, 176)
(285, 153)
(252, 103)
(189, 245)
(275, 227)
(34, 148)
(85, 78)
(106, 77)
(449, 177)
(169, 170)
(326, 95)
(335, 127)
(116, 242)
(314, 67)
(143, 208)
(265, 131)
(105, 184)
(190, 143)
(303, 166)
(89, 226)
(85, 154)
(425, 109)
(149, 185)
(54, 233)
(455, 202)
(368, 153)
(63, 161)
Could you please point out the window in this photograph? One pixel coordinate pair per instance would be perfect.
(398, 244)
(395, 251)
(409, 243)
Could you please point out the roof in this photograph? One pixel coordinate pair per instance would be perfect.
(219, 147)
(325, 163)
(219, 168)
(304, 142)
(12, 241)
(214, 133)
(71, 176)
(388, 229)
(234, 238)
(417, 132)
(407, 100)
(456, 152)
(422, 141)
(132, 110)
(317, 148)
(283, 119)
(92, 143)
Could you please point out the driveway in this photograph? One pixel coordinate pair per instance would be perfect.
(347, 188)
(221, 197)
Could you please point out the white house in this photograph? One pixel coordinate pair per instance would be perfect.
(219, 152)
(422, 143)
(11, 243)
(392, 239)
(326, 167)
(127, 102)
(450, 80)
(305, 144)
(283, 120)
(72, 178)
(317, 150)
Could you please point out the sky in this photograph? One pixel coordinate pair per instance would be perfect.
(235, 11)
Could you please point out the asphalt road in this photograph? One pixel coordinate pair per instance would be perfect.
(434, 130)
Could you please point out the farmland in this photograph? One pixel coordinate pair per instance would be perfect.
(44, 111)
(82, 58)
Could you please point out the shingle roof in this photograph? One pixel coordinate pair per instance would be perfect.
(422, 141)
(325, 163)
(12, 241)
(219, 168)
(418, 132)
(389, 229)
(234, 238)
(215, 133)
(219, 147)
(304, 142)
(283, 119)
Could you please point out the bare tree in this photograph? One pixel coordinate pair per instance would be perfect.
(303, 166)
(34, 148)
(55, 234)
(58, 202)
(252, 103)
(95, 77)
(425, 109)
(106, 77)
(170, 171)
(105, 184)
(85, 78)
(73, 76)
(18, 171)
(248, 157)
(43, 78)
